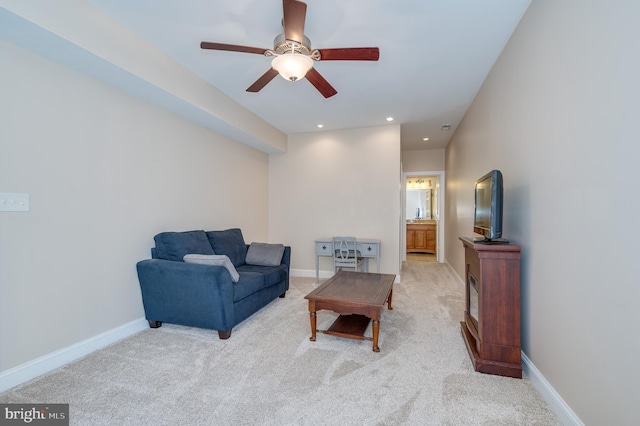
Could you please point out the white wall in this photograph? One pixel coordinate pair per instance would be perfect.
(423, 160)
(557, 113)
(75, 34)
(105, 172)
(337, 183)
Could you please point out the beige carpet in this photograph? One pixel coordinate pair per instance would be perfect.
(421, 257)
(269, 373)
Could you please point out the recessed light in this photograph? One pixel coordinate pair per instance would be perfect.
(425, 139)
(319, 126)
(389, 118)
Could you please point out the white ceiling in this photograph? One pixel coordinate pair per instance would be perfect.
(434, 56)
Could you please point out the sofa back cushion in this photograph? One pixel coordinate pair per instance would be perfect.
(229, 242)
(174, 245)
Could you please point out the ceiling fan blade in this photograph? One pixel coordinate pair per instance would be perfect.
(262, 81)
(293, 20)
(232, 47)
(320, 83)
(350, 54)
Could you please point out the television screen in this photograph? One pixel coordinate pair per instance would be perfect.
(487, 216)
(483, 203)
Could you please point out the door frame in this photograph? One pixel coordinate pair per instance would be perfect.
(440, 182)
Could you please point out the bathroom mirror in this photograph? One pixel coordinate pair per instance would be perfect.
(420, 195)
(418, 204)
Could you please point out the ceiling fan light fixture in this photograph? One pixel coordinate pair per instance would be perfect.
(292, 66)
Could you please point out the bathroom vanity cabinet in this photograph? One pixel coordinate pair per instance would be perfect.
(421, 238)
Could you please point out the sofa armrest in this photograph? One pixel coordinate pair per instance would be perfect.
(286, 260)
(286, 257)
(186, 293)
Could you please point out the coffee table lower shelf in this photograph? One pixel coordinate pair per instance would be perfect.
(349, 326)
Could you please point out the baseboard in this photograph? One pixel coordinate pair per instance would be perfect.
(39, 366)
(565, 414)
(310, 273)
(455, 275)
(322, 274)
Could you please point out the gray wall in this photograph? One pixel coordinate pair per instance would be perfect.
(558, 115)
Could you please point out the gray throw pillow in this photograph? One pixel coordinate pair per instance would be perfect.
(263, 254)
(214, 259)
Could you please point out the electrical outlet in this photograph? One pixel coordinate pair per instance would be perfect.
(10, 202)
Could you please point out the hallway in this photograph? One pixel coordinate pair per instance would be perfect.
(421, 257)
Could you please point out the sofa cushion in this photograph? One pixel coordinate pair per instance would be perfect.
(229, 242)
(272, 274)
(214, 259)
(174, 245)
(263, 254)
(248, 284)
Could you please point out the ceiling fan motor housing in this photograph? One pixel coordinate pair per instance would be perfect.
(281, 45)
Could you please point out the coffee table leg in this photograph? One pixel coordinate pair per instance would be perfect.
(376, 332)
(312, 317)
(389, 300)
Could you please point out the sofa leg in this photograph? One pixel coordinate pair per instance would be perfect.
(282, 295)
(224, 334)
(155, 324)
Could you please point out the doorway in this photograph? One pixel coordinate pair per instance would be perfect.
(422, 229)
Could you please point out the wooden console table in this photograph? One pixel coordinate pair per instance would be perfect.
(491, 326)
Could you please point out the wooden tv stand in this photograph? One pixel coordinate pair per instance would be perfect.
(491, 326)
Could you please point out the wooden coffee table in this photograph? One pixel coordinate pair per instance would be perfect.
(358, 297)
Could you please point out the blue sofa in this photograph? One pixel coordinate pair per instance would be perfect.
(228, 283)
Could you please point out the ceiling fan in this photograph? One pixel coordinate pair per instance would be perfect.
(293, 57)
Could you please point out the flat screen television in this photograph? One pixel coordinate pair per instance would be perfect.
(487, 210)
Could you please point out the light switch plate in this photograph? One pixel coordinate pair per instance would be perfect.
(11, 202)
